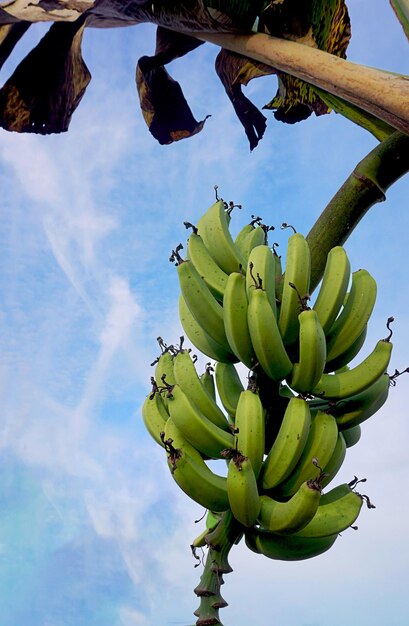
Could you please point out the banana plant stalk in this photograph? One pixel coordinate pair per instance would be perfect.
(365, 186)
(401, 8)
(220, 541)
(382, 94)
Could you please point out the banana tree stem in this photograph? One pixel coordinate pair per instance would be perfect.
(220, 541)
(401, 8)
(365, 186)
(381, 93)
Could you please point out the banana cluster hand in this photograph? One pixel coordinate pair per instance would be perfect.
(284, 435)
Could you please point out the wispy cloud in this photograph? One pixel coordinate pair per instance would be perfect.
(88, 221)
(131, 617)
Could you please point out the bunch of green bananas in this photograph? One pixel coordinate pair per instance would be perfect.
(285, 434)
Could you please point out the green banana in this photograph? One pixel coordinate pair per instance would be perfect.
(164, 369)
(337, 492)
(188, 380)
(207, 380)
(334, 464)
(229, 387)
(154, 415)
(235, 307)
(211, 522)
(352, 435)
(242, 234)
(242, 490)
(174, 437)
(250, 428)
(354, 381)
(246, 230)
(213, 227)
(199, 337)
(317, 453)
(288, 445)
(262, 263)
(204, 307)
(203, 434)
(279, 278)
(256, 237)
(333, 287)
(354, 316)
(297, 273)
(198, 481)
(212, 519)
(291, 516)
(312, 353)
(287, 547)
(214, 277)
(334, 515)
(346, 357)
(265, 336)
(357, 408)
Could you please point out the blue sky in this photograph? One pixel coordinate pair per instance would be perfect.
(93, 529)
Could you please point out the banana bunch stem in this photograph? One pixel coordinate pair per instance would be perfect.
(220, 541)
(365, 186)
(272, 402)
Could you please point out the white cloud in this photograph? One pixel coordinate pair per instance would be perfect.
(116, 335)
(32, 164)
(131, 617)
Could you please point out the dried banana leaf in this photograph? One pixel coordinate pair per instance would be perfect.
(48, 85)
(10, 34)
(322, 24)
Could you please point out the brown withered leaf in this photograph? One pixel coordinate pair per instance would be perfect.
(164, 107)
(10, 34)
(47, 86)
(49, 83)
(323, 24)
(234, 71)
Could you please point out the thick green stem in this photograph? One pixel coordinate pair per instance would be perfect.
(363, 188)
(220, 542)
(401, 8)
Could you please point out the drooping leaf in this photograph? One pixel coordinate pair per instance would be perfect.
(44, 10)
(317, 23)
(10, 34)
(323, 24)
(164, 107)
(47, 86)
(234, 71)
(242, 12)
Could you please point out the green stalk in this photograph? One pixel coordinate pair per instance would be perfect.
(401, 8)
(382, 94)
(365, 186)
(220, 541)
